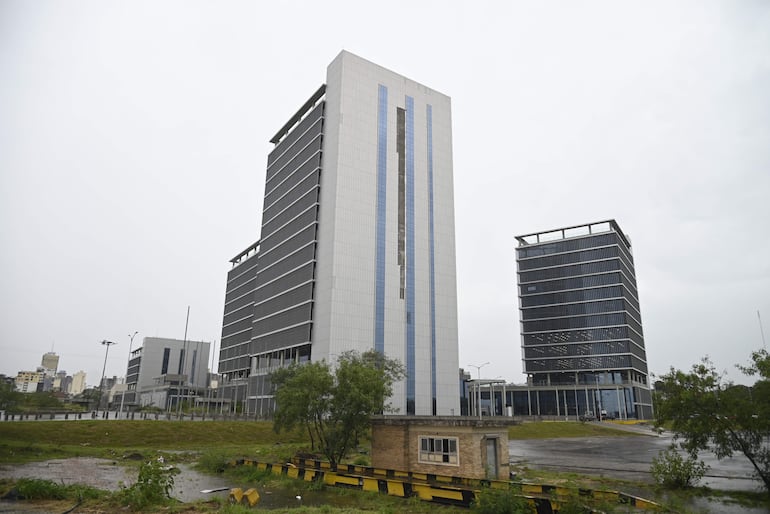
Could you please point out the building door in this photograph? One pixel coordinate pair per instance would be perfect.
(492, 458)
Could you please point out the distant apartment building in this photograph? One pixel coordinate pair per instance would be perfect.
(29, 381)
(78, 384)
(62, 382)
(163, 372)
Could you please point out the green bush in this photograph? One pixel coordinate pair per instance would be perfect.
(38, 489)
(501, 501)
(153, 486)
(671, 469)
(213, 461)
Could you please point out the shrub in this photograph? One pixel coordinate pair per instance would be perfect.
(153, 486)
(213, 461)
(671, 469)
(39, 489)
(501, 501)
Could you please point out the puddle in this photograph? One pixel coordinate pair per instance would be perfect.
(189, 483)
(109, 475)
(100, 473)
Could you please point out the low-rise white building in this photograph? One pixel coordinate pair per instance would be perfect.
(164, 371)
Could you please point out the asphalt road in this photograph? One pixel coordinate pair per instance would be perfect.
(626, 458)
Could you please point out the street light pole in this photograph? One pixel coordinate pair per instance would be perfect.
(130, 344)
(104, 368)
(599, 394)
(478, 385)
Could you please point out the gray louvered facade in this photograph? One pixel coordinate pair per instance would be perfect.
(579, 309)
(269, 298)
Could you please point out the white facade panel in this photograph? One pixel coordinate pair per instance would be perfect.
(347, 254)
(151, 365)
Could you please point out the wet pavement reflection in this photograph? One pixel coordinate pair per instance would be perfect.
(624, 457)
(629, 458)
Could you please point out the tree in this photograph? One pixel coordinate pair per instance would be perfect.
(303, 394)
(335, 405)
(707, 413)
(9, 397)
(40, 401)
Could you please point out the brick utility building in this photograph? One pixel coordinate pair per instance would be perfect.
(357, 248)
(581, 325)
(452, 446)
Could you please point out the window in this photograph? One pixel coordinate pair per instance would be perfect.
(439, 450)
(164, 367)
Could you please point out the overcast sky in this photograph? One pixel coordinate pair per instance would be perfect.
(134, 138)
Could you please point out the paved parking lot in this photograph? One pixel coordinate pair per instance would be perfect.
(623, 457)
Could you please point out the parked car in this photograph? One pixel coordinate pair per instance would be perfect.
(588, 416)
(606, 415)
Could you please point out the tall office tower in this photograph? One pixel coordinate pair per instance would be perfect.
(357, 246)
(580, 321)
(50, 362)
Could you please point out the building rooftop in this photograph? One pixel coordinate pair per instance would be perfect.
(583, 230)
(306, 107)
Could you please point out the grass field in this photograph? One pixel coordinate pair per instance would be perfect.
(556, 429)
(191, 435)
(177, 434)
(209, 443)
(40, 440)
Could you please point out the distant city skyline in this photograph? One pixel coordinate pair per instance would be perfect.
(132, 167)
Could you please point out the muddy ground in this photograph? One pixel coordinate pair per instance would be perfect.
(110, 475)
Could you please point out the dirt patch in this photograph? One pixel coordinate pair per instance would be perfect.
(109, 475)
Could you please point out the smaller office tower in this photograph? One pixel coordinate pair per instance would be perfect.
(581, 327)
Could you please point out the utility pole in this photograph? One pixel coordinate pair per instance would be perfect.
(104, 368)
(184, 364)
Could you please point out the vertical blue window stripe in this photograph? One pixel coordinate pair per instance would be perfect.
(431, 269)
(382, 156)
(410, 297)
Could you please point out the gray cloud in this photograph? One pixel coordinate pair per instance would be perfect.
(133, 141)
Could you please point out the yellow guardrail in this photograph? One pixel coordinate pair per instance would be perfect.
(445, 489)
